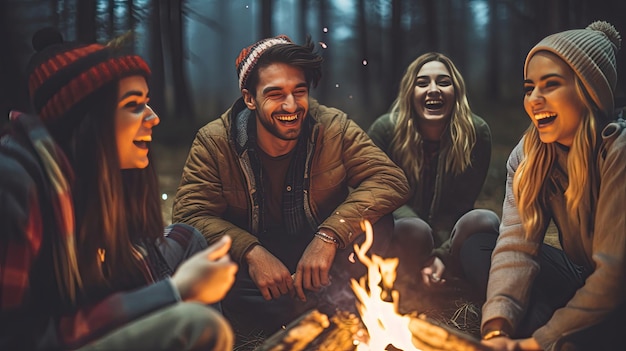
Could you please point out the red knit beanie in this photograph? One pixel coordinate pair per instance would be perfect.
(62, 74)
(248, 57)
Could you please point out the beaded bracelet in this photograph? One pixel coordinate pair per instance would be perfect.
(327, 238)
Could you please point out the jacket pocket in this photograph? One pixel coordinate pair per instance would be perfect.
(328, 189)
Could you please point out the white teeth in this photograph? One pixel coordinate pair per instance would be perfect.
(288, 118)
(543, 115)
(434, 102)
(144, 139)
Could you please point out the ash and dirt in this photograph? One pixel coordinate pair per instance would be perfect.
(452, 304)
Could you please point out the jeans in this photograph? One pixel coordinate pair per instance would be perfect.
(557, 282)
(181, 326)
(252, 317)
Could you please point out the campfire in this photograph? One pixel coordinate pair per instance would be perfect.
(384, 325)
(378, 327)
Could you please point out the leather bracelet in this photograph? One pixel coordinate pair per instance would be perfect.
(494, 334)
(327, 238)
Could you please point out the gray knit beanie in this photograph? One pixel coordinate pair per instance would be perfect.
(590, 52)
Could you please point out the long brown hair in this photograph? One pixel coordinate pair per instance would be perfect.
(115, 209)
(462, 134)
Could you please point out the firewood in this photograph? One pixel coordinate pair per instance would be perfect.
(428, 336)
(346, 327)
(315, 332)
(298, 334)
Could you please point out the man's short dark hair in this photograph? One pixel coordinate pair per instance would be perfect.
(301, 56)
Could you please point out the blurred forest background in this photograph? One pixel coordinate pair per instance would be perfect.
(192, 45)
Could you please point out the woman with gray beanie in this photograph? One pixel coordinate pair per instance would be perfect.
(568, 169)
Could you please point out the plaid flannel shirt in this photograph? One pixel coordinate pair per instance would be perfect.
(25, 160)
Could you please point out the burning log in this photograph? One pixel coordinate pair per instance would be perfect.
(344, 331)
(427, 336)
(298, 334)
(314, 331)
(346, 334)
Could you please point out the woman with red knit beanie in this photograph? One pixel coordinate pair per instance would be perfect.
(84, 261)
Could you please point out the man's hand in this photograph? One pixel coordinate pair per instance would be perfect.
(313, 267)
(206, 276)
(268, 273)
(432, 274)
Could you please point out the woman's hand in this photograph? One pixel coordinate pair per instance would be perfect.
(432, 274)
(206, 276)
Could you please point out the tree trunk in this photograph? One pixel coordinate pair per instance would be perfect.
(266, 19)
(302, 5)
(363, 49)
(323, 15)
(111, 23)
(396, 49)
(183, 106)
(493, 70)
(86, 21)
(432, 34)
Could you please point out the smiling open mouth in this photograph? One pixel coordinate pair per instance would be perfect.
(434, 104)
(287, 118)
(142, 144)
(545, 118)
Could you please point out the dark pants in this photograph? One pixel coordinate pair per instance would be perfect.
(180, 326)
(557, 282)
(180, 242)
(413, 241)
(252, 317)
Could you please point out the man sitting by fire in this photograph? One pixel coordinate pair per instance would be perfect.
(289, 180)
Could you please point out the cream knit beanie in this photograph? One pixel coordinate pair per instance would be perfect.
(590, 52)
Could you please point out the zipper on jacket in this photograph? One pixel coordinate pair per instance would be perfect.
(313, 222)
(248, 174)
(435, 201)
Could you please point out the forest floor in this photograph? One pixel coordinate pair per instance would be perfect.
(450, 305)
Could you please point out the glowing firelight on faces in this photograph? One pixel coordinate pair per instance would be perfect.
(384, 325)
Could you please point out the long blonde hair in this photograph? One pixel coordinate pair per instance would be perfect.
(405, 145)
(530, 178)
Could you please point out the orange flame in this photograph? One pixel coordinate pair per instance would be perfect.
(384, 325)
